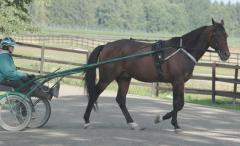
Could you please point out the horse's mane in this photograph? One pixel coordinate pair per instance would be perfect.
(192, 36)
(195, 32)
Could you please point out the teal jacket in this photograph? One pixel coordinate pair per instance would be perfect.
(8, 70)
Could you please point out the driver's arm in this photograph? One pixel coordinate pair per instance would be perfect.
(8, 68)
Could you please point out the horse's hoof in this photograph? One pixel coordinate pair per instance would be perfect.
(86, 125)
(178, 130)
(135, 126)
(157, 119)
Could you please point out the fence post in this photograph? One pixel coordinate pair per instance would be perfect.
(210, 57)
(87, 56)
(235, 83)
(153, 89)
(237, 58)
(213, 82)
(157, 89)
(42, 60)
(72, 40)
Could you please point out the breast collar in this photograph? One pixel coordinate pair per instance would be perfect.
(181, 49)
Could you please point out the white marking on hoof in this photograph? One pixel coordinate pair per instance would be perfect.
(134, 126)
(178, 130)
(158, 119)
(86, 125)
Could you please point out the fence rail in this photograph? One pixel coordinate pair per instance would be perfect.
(90, 43)
(42, 59)
(214, 78)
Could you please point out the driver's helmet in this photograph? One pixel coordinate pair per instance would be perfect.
(8, 41)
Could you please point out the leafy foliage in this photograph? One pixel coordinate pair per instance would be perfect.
(14, 16)
(172, 16)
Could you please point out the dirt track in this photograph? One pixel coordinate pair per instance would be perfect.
(201, 125)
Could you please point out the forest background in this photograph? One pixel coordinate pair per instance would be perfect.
(151, 16)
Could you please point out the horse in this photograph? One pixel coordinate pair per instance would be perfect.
(176, 69)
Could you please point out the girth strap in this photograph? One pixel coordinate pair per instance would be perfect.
(158, 57)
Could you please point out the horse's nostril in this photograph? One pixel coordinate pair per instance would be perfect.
(227, 54)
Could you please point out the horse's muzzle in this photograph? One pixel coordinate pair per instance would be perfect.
(224, 56)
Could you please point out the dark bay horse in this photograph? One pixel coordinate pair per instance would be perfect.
(176, 69)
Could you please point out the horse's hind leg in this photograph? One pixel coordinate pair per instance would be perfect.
(101, 85)
(123, 85)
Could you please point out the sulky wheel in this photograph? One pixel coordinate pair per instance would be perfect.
(41, 111)
(15, 112)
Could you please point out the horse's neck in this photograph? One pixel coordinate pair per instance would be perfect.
(198, 44)
(173, 42)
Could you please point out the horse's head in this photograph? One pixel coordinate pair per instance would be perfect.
(218, 40)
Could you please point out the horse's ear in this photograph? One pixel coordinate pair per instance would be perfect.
(213, 22)
(222, 22)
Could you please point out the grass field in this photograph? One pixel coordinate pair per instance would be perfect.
(233, 41)
(109, 34)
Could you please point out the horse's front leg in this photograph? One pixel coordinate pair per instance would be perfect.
(178, 103)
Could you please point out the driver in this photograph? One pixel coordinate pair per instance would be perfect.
(10, 76)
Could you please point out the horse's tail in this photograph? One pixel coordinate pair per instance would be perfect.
(90, 74)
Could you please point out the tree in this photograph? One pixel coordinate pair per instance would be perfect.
(109, 14)
(237, 15)
(220, 11)
(72, 13)
(14, 16)
(156, 16)
(133, 15)
(171, 16)
(39, 12)
(198, 12)
(165, 16)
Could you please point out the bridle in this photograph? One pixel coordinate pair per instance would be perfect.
(215, 50)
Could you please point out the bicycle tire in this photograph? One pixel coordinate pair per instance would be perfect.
(40, 106)
(18, 108)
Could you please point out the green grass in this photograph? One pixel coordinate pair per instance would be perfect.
(111, 34)
(233, 41)
(219, 71)
(221, 102)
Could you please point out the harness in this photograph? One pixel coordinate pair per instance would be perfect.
(160, 57)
